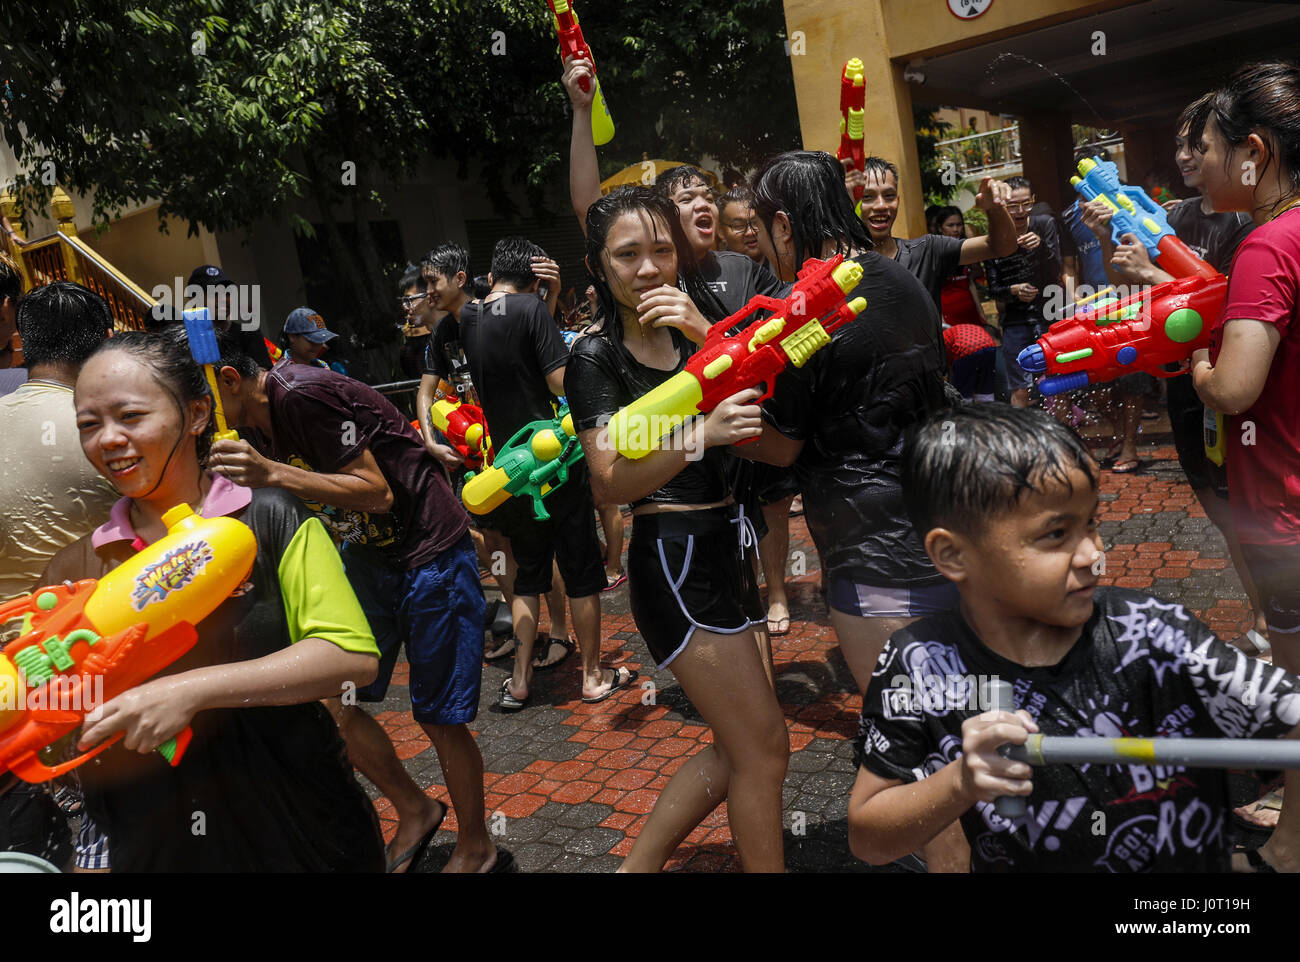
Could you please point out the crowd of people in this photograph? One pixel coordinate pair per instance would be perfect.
(953, 509)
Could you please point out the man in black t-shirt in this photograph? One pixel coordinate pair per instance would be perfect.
(1007, 501)
(517, 359)
(932, 258)
(1022, 284)
(353, 459)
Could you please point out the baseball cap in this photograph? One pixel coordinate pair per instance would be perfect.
(207, 275)
(305, 321)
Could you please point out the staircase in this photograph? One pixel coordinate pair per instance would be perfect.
(62, 256)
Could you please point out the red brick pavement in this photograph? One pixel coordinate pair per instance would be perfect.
(631, 749)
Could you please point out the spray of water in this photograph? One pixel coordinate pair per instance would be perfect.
(993, 65)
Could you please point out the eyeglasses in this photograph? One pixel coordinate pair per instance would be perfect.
(1020, 207)
(743, 226)
(412, 299)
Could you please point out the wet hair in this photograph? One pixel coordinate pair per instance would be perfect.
(966, 466)
(642, 200)
(879, 166)
(167, 357)
(1194, 115)
(411, 277)
(447, 260)
(936, 215)
(675, 178)
(478, 287)
(808, 187)
(512, 261)
(11, 279)
(737, 195)
(62, 323)
(1261, 98)
(1020, 183)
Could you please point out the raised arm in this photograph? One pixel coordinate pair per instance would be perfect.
(1000, 241)
(584, 169)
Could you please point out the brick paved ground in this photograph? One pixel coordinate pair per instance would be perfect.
(570, 785)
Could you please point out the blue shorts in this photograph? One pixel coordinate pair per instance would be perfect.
(1015, 339)
(869, 601)
(437, 609)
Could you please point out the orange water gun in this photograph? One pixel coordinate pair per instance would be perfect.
(87, 642)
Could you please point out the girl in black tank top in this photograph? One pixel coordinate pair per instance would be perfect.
(693, 594)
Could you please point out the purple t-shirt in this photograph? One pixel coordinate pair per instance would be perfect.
(323, 420)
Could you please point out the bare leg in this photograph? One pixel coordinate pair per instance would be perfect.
(861, 642)
(1282, 850)
(729, 687)
(525, 611)
(774, 549)
(611, 521)
(462, 767)
(500, 560)
(586, 627)
(1020, 398)
(555, 605)
(1220, 514)
(371, 751)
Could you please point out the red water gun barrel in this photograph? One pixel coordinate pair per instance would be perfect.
(853, 99)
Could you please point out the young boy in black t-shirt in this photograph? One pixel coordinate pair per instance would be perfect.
(1007, 501)
(517, 359)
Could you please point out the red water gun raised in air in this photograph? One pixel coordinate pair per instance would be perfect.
(88, 642)
(1154, 331)
(801, 324)
(853, 99)
(573, 46)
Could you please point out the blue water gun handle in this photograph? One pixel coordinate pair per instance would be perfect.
(1060, 383)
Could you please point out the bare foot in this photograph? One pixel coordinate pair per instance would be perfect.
(1262, 813)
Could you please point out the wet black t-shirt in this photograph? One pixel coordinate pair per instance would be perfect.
(445, 358)
(1141, 668)
(512, 343)
(882, 373)
(323, 420)
(603, 377)
(932, 259)
(735, 278)
(1213, 237)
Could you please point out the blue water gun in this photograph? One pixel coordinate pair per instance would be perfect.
(1136, 213)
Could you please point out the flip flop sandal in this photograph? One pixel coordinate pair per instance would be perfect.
(505, 650)
(507, 701)
(778, 631)
(1256, 863)
(568, 646)
(1133, 466)
(1270, 802)
(615, 687)
(416, 851)
(505, 862)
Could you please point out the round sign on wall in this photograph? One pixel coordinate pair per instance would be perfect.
(968, 9)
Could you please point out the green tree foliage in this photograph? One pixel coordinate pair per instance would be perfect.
(229, 111)
(929, 131)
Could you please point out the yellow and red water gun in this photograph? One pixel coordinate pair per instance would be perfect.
(87, 642)
(465, 428)
(724, 365)
(573, 46)
(853, 100)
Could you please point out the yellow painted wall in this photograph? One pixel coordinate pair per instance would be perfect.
(136, 247)
(885, 35)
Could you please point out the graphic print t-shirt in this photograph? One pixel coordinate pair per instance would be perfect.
(1040, 267)
(735, 278)
(1141, 667)
(323, 420)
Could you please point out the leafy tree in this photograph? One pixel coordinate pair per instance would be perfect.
(229, 111)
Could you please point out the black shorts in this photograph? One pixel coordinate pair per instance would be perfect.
(1187, 421)
(1275, 569)
(773, 483)
(685, 570)
(568, 538)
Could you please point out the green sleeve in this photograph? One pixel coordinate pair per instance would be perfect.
(318, 600)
